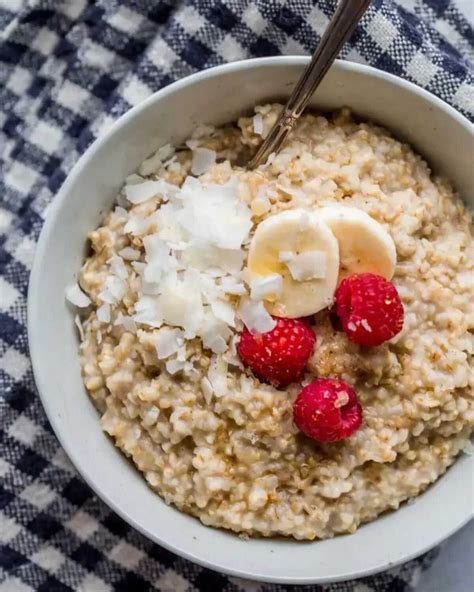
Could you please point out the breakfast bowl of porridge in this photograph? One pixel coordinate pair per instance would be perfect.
(267, 370)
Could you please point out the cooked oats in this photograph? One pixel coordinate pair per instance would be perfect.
(220, 445)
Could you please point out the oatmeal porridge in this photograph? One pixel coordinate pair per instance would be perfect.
(176, 298)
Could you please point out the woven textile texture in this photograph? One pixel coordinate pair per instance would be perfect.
(68, 69)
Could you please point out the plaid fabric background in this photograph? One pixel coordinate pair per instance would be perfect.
(67, 70)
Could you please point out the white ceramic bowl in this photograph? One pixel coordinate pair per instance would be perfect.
(216, 96)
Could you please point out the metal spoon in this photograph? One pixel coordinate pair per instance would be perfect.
(340, 28)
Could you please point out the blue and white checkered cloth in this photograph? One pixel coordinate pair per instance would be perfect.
(68, 69)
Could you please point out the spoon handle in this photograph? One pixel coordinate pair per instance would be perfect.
(340, 28)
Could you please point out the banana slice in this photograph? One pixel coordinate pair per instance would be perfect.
(364, 244)
(304, 252)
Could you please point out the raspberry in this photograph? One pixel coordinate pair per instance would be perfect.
(327, 410)
(369, 308)
(279, 356)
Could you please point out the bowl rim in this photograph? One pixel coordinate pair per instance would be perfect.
(53, 210)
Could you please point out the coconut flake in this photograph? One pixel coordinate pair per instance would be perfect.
(207, 390)
(210, 259)
(116, 286)
(256, 317)
(150, 288)
(224, 311)
(168, 341)
(169, 227)
(181, 303)
(134, 179)
(202, 131)
(191, 371)
(126, 322)
(174, 366)
(214, 214)
(307, 266)
(158, 257)
(215, 343)
(137, 225)
(192, 144)
(192, 262)
(117, 266)
(217, 375)
(76, 296)
(129, 254)
(264, 287)
(107, 296)
(147, 312)
(215, 335)
(103, 313)
(203, 160)
(168, 164)
(365, 324)
(77, 322)
(139, 267)
(165, 152)
(258, 124)
(182, 353)
(141, 192)
(152, 164)
(119, 214)
(230, 285)
(129, 324)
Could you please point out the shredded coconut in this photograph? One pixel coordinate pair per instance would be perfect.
(137, 225)
(217, 375)
(207, 390)
(214, 214)
(147, 312)
(126, 322)
(201, 131)
(129, 254)
(103, 313)
(258, 124)
(193, 262)
(256, 317)
(307, 266)
(141, 192)
(116, 287)
(174, 366)
(203, 161)
(192, 144)
(262, 288)
(78, 324)
(118, 267)
(76, 296)
(168, 342)
(158, 159)
(215, 337)
(119, 214)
